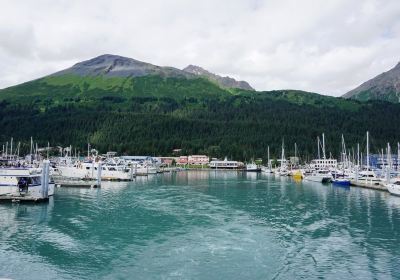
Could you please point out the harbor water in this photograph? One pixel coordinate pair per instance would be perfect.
(204, 225)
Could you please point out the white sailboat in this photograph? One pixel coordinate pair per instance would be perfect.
(367, 175)
(282, 170)
(319, 168)
(267, 169)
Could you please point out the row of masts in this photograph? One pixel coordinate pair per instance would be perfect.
(348, 157)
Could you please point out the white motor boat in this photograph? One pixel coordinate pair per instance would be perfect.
(282, 171)
(266, 169)
(252, 167)
(394, 187)
(369, 177)
(143, 169)
(25, 182)
(320, 176)
(88, 171)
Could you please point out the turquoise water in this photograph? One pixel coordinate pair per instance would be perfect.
(204, 225)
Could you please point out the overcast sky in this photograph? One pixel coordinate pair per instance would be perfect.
(324, 46)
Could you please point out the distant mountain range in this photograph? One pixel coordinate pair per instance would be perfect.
(118, 66)
(385, 86)
(132, 107)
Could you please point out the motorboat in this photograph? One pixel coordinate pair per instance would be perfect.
(252, 167)
(88, 170)
(341, 182)
(394, 187)
(19, 182)
(320, 176)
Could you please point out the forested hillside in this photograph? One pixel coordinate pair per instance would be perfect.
(154, 114)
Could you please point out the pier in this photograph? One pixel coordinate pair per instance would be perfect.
(369, 185)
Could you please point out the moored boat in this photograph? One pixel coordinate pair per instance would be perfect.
(252, 167)
(341, 182)
(320, 176)
(394, 187)
(25, 183)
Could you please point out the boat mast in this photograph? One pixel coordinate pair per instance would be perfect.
(30, 156)
(269, 162)
(358, 154)
(389, 165)
(11, 147)
(398, 156)
(283, 154)
(323, 146)
(367, 150)
(318, 143)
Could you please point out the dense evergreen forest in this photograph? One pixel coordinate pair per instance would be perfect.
(153, 115)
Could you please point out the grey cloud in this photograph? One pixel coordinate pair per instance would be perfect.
(320, 46)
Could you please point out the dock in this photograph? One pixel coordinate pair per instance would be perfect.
(369, 185)
(76, 183)
(16, 198)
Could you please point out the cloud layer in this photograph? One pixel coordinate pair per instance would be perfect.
(327, 47)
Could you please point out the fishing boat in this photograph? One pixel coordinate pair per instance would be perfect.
(394, 187)
(25, 183)
(252, 167)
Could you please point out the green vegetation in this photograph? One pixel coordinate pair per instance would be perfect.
(153, 115)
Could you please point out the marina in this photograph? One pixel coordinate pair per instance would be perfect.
(197, 224)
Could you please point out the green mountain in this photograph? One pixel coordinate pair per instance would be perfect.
(385, 86)
(132, 107)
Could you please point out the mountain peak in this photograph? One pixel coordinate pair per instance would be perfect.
(110, 65)
(226, 82)
(385, 86)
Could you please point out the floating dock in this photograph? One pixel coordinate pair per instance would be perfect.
(369, 185)
(16, 198)
(76, 183)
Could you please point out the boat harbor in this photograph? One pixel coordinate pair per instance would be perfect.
(28, 177)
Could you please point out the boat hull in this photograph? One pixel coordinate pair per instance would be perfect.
(343, 183)
(394, 189)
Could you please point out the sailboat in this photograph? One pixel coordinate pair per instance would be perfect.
(367, 175)
(341, 180)
(267, 169)
(319, 171)
(282, 170)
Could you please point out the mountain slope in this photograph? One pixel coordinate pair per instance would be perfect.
(385, 86)
(108, 65)
(225, 82)
(156, 111)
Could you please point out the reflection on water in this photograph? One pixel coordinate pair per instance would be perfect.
(204, 225)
